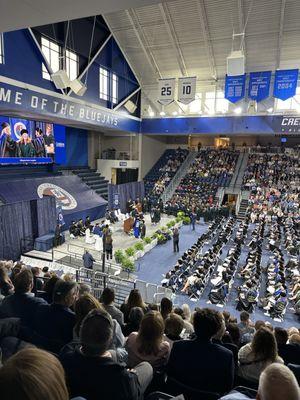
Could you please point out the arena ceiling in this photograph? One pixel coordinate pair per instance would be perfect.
(194, 37)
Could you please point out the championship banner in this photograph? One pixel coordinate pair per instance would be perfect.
(166, 91)
(186, 89)
(285, 83)
(235, 87)
(259, 85)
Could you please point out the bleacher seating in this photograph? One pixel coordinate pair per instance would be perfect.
(160, 175)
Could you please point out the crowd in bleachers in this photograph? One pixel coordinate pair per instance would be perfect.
(159, 177)
(60, 342)
(196, 191)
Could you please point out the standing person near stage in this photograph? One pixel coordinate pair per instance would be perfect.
(176, 240)
(136, 227)
(109, 245)
(193, 217)
(57, 236)
(143, 229)
(88, 260)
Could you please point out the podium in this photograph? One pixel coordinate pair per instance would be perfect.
(128, 224)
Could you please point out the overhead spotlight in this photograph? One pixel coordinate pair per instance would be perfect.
(130, 106)
(151, 113)
(78, 87)
(162, 113)
(238, 110)
(270, 110)
(60, 79)
(174, 113)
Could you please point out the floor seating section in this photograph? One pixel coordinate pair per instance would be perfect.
(93, 179)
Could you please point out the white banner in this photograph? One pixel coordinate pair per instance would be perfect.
(166, 91)
(186, 89)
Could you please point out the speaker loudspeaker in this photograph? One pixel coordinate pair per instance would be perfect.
(60, 79)
(130, 106)
(78, 87)
(236, 63)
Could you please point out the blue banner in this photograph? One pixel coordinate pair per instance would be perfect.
(235, 87)
(259, 85)
(285, 83)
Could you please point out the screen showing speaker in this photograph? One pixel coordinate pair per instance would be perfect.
(26, 142)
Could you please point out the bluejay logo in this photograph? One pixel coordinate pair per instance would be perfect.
(18, 126)
(64, 199)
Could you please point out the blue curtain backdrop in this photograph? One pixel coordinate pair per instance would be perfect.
(125, 192)
(18, 221)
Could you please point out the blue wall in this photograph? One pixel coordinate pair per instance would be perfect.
(76, 147)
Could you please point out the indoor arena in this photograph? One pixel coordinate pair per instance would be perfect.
(150, 200)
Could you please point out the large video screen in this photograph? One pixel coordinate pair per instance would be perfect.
(26, 142)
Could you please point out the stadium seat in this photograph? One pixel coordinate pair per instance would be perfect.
(175, 387)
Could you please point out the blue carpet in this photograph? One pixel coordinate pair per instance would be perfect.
(161, 259)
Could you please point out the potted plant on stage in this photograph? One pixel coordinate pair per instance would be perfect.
(130, 252)
(147, 247)
(119, 256)
(139, 247)
(128, 265)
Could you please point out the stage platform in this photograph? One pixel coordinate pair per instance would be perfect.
(70, 253)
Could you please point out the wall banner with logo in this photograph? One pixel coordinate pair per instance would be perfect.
(186, 89)
(235, 88)
(259, 85)
(166, 91)
(285, 83)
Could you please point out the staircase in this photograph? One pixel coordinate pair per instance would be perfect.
(168, 193)
(243, 206)
(93, 179)
(237, 177)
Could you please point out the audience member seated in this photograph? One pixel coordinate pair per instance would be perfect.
(91, 371)
(289, 352)
(148, 343)
(107, 300)
(247, 331)
(33, 374)
(254, 357)
(134, 321)
(200, 363)
(174, 326)
(54, 323)
(276, 382)
(134, 300)
(22, 304)
(83, 306)
(6, 285)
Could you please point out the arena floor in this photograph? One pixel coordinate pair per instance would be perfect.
(153, 266)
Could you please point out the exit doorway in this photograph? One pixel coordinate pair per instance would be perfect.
(222, 142)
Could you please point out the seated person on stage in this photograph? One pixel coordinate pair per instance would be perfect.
(87, 223)
(74, 232)
(97, 230)
(81, 228)
(91, 370)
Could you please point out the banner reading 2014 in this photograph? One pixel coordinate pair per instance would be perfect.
(235, 87)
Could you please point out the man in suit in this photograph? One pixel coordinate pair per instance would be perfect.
(199, 363)
(88, 260)
(22, 304)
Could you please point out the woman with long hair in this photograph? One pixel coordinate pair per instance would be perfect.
(254, 357)
(33, 374)
(25, 146)
(134, 300)
(148, 343)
